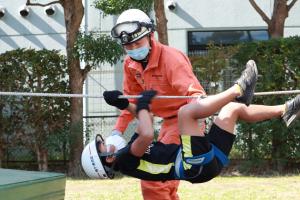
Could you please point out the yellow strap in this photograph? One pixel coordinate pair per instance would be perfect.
(153, 168)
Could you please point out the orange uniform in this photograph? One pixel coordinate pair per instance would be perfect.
(169, 72)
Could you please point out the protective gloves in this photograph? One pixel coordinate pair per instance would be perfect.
(144, 101)
(112, 98)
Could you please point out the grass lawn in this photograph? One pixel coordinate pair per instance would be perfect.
(220, 188)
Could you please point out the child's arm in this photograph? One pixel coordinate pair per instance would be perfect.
(132, 109)
(145, 129)
(146, 134)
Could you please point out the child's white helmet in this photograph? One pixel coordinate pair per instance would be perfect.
(93, 161)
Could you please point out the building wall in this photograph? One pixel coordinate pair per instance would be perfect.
(222, 15)
(39, 30)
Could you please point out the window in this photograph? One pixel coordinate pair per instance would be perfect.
(198, 40)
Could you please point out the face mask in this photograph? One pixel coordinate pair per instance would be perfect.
(139, 53)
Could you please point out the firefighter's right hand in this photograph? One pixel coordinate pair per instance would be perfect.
(112, 98)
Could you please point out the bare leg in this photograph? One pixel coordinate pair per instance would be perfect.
(228, 116)
(211, 104)
(232, 112)
(242, 91)
(189, 114)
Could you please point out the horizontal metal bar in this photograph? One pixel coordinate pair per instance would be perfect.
(157, 97)
(49, 95)
(129, 96)
(277, 92)
(190, 97)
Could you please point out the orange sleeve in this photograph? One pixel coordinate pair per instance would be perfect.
(130, 87)
(123, 120)
(183, 79)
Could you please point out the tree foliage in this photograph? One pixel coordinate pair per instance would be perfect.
(115, 7)
(212, 67)
(95, 48)
(32, 120)
(278, 62)
(73, 15)
(279, 69)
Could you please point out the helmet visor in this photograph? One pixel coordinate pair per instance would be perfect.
(108, 171)
(126, 27)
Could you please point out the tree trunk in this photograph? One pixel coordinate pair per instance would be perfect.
(1, 154)
(76, 132)
(250, 144)
(280, 13)
(73, 12)
(1, 141)
(161, 21)
(277, 157)
(42, 158)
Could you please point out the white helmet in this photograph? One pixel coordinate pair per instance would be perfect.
(116, 140)
(93, 161)
(132, 25)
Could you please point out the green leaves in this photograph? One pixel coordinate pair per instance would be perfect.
(95, 48)
(115, 7)
(33, 119)
(278, 62)
(212, 66)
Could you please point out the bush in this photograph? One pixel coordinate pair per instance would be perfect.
(32, 121)
(278, 62)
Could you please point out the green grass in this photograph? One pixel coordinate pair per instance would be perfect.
(220, 188)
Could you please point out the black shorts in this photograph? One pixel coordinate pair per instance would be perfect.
(218, 137)
(221, 138)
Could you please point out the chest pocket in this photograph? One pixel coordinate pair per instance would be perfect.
(160, 83)
(140, 82)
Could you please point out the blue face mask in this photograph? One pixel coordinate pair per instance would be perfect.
(139, 53)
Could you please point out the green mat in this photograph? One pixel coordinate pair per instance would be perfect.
(30, 185)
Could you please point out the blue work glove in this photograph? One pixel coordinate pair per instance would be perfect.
(112, 98)
(144, 101)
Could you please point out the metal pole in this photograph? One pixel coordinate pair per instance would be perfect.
(129, 96)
